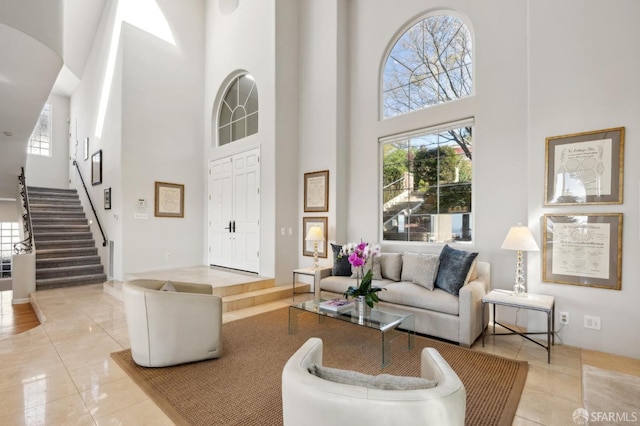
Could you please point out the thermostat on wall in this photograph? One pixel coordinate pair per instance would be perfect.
(142, 202)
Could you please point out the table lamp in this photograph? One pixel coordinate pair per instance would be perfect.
(315, 234)
(519, 238)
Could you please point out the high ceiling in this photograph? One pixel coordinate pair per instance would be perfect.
(29, 68)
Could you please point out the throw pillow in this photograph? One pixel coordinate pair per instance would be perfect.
(426, 270)
(168, 287)
(341, 265)
(473, 272)
(391, 266)
(377, 268)
(382, 381)
(409, 263)
(453, 270)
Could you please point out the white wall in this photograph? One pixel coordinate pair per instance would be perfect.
(53, 171)
(499, 108)
(152, 130)
(245, 40)
(583, 72)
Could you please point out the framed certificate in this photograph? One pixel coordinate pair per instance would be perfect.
(583, 249)
(316, 191)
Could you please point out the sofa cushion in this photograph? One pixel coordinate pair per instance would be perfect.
(426, 270)
(387, 265)
(340, 284)
(454, 267)
(410, 294)
(409, 263)
(382, 381)
(341, 265)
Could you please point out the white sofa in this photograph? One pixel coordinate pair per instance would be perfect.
(436, 312)
(172, 327)
(313, 401)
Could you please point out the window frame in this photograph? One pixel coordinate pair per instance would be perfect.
(12, 233)
(37, 150)
(398, 35)
(466, 122)
(222, 102)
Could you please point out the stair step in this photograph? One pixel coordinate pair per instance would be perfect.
(69, 271)
(67, 228)
(74, 214)
(51, 190)
(54, 207)
(39, 201)
(258, 297)
(60, 253)
(57, 236)
(64, 244)
(37, 221)
(49, 283)
(57, 262)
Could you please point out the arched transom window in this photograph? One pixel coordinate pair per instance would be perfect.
(431, 63)
(238, 113)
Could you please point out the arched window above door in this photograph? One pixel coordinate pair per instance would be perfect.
(238, 110)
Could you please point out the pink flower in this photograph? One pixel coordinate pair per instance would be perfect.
(356, 260)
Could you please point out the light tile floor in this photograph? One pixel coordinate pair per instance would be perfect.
(61, 373)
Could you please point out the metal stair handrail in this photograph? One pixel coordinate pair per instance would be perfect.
(25, 246)
(104, 238)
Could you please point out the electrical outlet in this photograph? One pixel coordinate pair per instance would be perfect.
(564, 317)
(592, 322)
(167, 256)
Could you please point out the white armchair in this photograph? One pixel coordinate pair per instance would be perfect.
(172, 327)
(311, 401)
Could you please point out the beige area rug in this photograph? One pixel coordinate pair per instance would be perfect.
(243, 387)
(610, 397)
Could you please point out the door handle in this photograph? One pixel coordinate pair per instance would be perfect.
(229, 227)
(234, 227)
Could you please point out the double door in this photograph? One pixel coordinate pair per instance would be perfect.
(234, 211)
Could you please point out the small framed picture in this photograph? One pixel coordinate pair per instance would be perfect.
(86, 148)
(307, 223)
(169, 200)
(316, 191)
(107, 199)
(96, 168)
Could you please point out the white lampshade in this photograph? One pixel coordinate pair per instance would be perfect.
(314, 234)
(520, 238)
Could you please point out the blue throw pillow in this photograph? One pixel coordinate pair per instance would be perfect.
(341, 265)
(453, 270)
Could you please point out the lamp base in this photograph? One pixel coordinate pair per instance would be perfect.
(519, 290)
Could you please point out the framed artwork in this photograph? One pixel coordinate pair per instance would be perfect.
(307, 223)
(107, 199)
(585, 168)
(169, 200)
(583, 249)
(96, 168)
(316, 191)
(86, 148)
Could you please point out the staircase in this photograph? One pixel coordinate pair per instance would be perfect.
(66, 254)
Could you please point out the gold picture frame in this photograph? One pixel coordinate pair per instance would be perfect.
(583, 249)
(584, 168)
(307, 223)
(316, 191)
(169, 200)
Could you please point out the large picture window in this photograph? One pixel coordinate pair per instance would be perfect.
(427, 185)
(430, 64)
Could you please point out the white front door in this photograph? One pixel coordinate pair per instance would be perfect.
(234, 211)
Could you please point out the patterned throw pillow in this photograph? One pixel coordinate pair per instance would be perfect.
(453, 270)
(341, 265)
(426, 270)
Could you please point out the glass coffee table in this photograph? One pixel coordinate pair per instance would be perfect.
(375, 318)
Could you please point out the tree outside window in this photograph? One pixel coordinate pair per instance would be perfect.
(427, 186)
